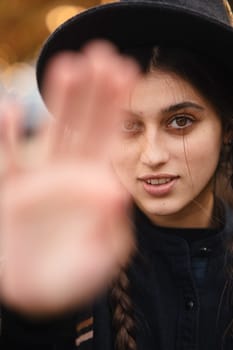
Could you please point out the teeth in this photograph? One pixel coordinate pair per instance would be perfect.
(158, 181)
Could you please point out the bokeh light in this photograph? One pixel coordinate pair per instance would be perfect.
(60, 14)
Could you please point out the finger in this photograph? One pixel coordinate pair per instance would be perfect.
(11, 116)
(112, 79)
(85, 92)
(35, 150)
(63, 91)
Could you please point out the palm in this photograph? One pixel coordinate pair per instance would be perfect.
(65, 228)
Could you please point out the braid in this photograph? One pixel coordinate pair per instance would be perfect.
(123, 318)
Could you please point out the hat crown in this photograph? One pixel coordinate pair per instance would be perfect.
(217, 9)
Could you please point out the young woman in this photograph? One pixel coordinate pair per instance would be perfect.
(163, 140)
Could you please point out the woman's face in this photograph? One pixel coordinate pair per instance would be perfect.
(169, 150)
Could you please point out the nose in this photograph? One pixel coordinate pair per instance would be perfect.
(154, 151)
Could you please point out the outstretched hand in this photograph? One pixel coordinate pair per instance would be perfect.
(64, 217)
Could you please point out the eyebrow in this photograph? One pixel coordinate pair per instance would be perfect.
(182, 105)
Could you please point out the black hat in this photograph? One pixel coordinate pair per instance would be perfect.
(200, 25)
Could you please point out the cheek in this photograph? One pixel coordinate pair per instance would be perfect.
(202, 154)
(126, 160)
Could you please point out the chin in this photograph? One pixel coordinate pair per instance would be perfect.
(161, 207)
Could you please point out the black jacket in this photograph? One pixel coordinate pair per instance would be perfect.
(180, 291)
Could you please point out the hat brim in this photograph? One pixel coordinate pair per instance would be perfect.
(135, 24)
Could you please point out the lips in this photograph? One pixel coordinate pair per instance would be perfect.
(159, 185)
(158, 179)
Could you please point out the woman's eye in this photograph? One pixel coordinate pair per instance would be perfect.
(131, 126)
(180, 122)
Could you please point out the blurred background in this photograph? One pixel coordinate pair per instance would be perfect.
(24, 26)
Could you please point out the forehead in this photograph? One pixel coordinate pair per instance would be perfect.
(158, 90)
(164, 88)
